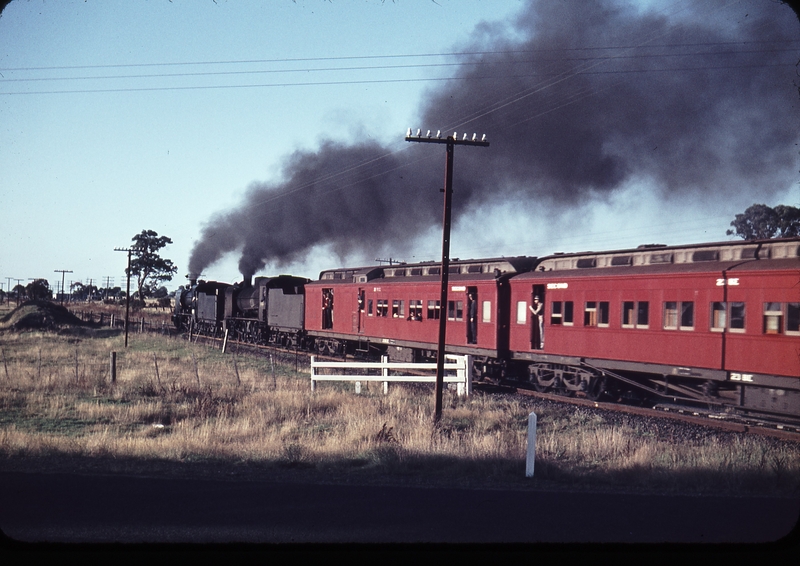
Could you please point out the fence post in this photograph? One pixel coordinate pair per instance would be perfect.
(312, 374)
(196, 372)
(155, 363)
(385, 373)
(236, 369)
(461, 373)
(113, 368)
(5, 363)
(531, 445)
(468, 376)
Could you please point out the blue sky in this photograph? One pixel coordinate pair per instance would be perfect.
(119, 116)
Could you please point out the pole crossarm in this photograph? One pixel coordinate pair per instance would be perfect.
(452, 140)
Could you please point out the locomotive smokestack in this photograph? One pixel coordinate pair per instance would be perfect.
(581, 100)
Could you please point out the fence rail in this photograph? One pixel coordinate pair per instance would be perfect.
(388, 372)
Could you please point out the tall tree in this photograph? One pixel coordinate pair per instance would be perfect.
(38, 289)
(761, 222)
(147, 265)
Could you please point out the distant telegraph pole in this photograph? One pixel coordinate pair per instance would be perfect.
(128, 291)
(62, 272)
(451, 142)
(108, 279)
(18, 284)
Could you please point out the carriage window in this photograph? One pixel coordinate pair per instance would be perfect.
(522, 310)
(602, 313)
(718, 312)
(433, 310)
(596, 314)
(687, 315)
(737, 317)
(590, 314)
(642, 314)
(455, 310)
(487, 312)
(773, 317)
(635, 314)
(793, 318)
(398, 309)
(568, 313)
(627, 314)
(415, 310)
(555, 312)
(671, 315)
(383, 308)
(369, 307)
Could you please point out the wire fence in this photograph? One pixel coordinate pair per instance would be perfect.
(158, 323)
(138, 323)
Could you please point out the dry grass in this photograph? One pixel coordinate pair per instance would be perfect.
(58, 410)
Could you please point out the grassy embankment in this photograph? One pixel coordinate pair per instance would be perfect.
(201, 413)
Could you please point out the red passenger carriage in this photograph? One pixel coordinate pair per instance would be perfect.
(714, 321)
(395, 310)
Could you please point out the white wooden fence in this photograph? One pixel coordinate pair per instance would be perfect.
(458, 367)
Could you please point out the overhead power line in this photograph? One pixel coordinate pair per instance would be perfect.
(398, 56)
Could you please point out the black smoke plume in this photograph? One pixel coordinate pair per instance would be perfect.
(578, 98)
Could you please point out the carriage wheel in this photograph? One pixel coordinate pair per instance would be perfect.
(542, 376)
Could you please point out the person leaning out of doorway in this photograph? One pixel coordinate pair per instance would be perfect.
(537, 324)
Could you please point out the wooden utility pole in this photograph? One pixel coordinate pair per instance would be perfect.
(62, 272)
(128, 291)
(451, 142)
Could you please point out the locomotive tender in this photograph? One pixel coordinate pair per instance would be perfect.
(716, 323)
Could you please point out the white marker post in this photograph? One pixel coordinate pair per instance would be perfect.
(531, 445)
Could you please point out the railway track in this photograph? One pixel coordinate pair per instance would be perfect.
(744, 423)
(765, 425)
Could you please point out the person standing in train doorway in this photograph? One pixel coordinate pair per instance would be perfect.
(537, 324)
(472, 319)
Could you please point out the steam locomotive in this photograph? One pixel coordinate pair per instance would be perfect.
(715, 323)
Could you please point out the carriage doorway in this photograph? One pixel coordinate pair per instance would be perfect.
(537, 317)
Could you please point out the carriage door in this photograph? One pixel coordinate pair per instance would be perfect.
(327, 309)
(537, 317)
(359, 310)
(472, 315)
